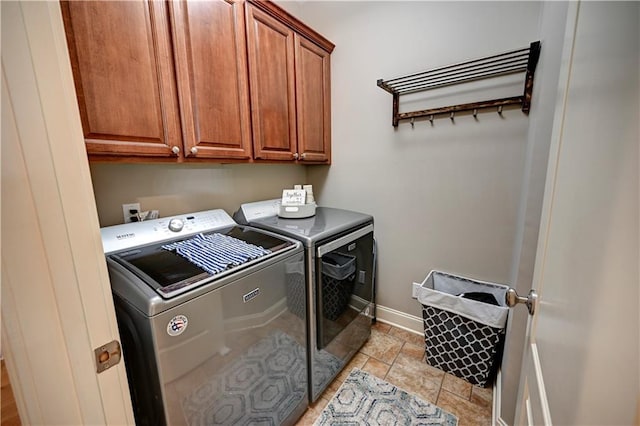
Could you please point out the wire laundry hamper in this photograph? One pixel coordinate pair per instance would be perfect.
(338, 278)
(464, 325)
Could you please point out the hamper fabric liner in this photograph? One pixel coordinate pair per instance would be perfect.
(338, 275)
(463, 336)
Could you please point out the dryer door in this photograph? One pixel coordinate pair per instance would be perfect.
(345, 269)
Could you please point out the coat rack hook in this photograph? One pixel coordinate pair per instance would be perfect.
(517, 61)
(412, 120)
(475, 113)
(452, 116)
(431, 119)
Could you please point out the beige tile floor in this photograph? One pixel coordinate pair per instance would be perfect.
(397, 356)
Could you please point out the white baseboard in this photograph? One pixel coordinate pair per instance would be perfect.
(399, 319)
(496, 420)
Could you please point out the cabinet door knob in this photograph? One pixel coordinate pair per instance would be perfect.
(295, 156)
(303, 155)
(175, 150)
(194, 150)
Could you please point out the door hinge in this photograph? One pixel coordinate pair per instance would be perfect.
(107, 355)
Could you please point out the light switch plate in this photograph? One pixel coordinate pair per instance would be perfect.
(415, 289)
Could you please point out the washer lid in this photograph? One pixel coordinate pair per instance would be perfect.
(170, 271)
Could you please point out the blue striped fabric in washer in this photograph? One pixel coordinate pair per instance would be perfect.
(216, 252)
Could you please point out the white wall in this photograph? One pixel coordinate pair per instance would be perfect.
(174, 189)
(443, 197)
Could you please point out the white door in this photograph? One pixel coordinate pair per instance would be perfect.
(56, 299)
(581, 355)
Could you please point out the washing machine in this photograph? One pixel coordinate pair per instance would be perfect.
(207, 332)
(339, 274)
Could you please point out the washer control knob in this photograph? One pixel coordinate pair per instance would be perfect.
(176, 224)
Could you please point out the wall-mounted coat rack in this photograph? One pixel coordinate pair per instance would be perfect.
(516, 61)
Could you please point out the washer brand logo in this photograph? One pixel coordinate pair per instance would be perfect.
(125, 236)
(251, 295)
(177, 325)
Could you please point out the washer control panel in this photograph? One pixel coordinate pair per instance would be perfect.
(128, 235)
(176, 224)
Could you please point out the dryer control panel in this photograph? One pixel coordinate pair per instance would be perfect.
(249, 212)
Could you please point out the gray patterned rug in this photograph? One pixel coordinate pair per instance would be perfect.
(263, 386)
(364, 399)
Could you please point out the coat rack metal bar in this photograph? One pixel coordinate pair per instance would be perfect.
(522, 60)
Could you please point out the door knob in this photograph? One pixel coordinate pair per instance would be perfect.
(512, 299)
(175, 150)
(194, 150)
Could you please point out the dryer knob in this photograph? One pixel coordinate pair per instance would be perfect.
(176, 224)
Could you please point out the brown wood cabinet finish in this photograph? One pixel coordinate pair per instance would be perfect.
(290, 86)
(123, 72)
(313, 97)
(211, 68)
(232, 80)
(270, 48)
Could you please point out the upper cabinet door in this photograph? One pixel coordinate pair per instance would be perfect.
(123, 71)
(270, 47)
(313, 98)
(211, 69)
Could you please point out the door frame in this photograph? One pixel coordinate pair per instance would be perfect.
(56, 298)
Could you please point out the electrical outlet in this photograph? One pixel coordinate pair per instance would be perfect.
(130, 212)
(415, 289)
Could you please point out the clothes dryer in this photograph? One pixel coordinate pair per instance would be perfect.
(339, 269)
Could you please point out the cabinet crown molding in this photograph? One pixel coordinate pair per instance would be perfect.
(293, 22)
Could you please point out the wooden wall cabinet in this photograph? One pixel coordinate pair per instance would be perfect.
(161, 79)
(211, 68)
(290, 87)
(313, 101)
(170, 80)
(123, 72)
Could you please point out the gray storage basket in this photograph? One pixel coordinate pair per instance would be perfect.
(338, 277)
(463, 336)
